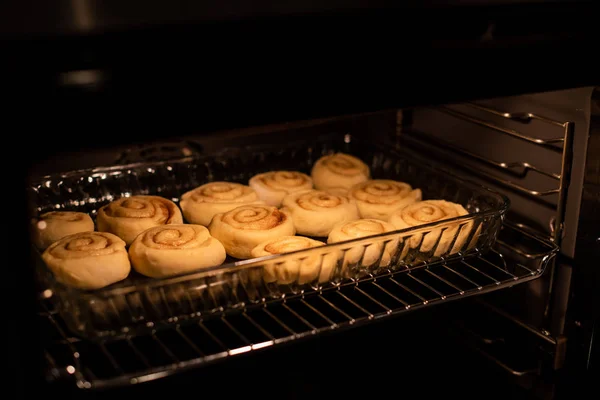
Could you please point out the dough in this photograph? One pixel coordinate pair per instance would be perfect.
(168, 250)
(374, 254)
(430, 211)
(243, 228)
(301, 268)
(127, 217)
(272, 187)
(316, 212)
(200, 205)
(338, 172)
(379, 198)
(88, 260)
(55, 225)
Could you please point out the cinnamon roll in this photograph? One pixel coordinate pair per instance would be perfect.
(169, 250)
(316, 212)
(88, 260)
(127, 217)
(379, 198)
(243, 228)
(301, 270)
(272, 187)
(201, 204)
(336, 173)
(429, 211)
(55, 225)
(371, 254)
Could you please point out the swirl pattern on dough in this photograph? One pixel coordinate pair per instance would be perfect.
(169, 250)
(336, 173)
(201, 204)
(88, 260)
(273, 186)
(55, 225)
(429, 211)
(254, 218)
(315, 212)
(127, 217)
(301, 270)
(244, 227)
(379, 198)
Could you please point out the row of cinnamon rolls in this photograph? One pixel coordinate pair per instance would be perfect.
(276, 213)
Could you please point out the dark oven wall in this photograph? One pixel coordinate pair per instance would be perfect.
(139, 82)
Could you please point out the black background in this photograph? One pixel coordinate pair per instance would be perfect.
(161, 81)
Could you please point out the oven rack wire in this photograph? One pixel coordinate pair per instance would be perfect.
(143, 358)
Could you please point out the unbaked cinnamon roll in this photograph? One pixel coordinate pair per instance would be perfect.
(301, 270)
(201, 204)
(336, 173)
(316, 212)
(55, 225)
(127, 217)
(429, 211)
(169, 250)
(88, 260)
(243, 228)
(272, 187)
(379, 198)
(380, 252)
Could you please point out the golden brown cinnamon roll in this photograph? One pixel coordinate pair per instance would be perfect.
(244, 227)
(336, 173)
(88, 260)
(201, 204)
(168, 250)
(362, 228)
(127, 217)
(429, 211)
(316, 212)
(272, 187)
(379, 198)
(55, 225)
(301, 270)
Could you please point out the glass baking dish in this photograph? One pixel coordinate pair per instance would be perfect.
(139, 304)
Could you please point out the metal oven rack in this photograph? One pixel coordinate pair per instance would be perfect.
(518, 257)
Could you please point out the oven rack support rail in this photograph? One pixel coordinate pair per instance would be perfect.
(138, 359)
(562, 144)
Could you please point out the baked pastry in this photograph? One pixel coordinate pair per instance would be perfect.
(200, 205)
(373, 254)
(316, 212)
(272, 187)
(299, 269)
(429, 211)
(127, 217)
(379, 198)
(88, 260)
(243, 228)
(336, 173)
(55, 225)
(168, 250)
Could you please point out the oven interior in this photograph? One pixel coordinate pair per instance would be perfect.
(530, 148)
